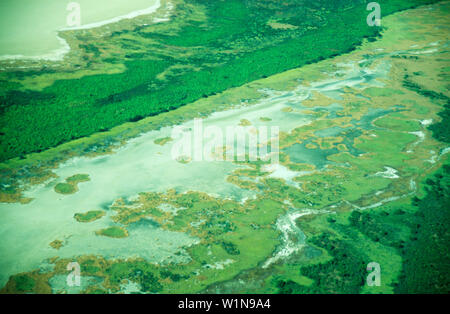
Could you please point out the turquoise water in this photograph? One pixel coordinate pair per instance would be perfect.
(366, 121)
(59, 284)
(330, 132)
(299, 153)
(29, 27)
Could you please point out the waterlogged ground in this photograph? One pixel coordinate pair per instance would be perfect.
(353, 136)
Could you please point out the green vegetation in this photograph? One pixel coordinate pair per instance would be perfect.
(113, 232)
(139, 272)
(57, 244)
(245, 122)
(71, 184)
(228, 232)
(236, 45)
(398, 124)
(408, 238)
(78, 178)
(354, 213)
(65, 188)
(343, 274)
(426, 256)
(24, 283)
(415, 232)
(163, 141)
(89, 216)
(385, 92)
(441, 130)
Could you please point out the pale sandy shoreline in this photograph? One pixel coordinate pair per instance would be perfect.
(116, 19)
(55, 55)
(60, 53)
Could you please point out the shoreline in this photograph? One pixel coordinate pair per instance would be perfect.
(131, 15)
(59, 53)
(54, 55)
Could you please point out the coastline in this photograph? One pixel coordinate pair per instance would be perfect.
(132, 15)
(59, 53)
(54, 55)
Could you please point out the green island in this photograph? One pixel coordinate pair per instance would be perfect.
(71, 184)
(89, 216)
(113, 232)
(163, 141)
(363, 174)
(57, 244)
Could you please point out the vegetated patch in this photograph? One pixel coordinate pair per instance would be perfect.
(276, 25)
(287, 109)
(57, 244)
(343, 274)
(89, 216)
(382, 92)
(409, 229)
(184, 160)
(397, 124)
(71, 184)
(441, 130)
(113, 232)
(426, 256)
(140, 272)
(65, 188)
(75, 179)
(245, 122)
(163, 141)
(24, 283)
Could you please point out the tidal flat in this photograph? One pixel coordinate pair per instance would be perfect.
(244, 226)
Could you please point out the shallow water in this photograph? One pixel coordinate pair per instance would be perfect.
(138, 166)
(318, 157)
(366, 121)
(330, 132)
(59, 284)
(301, 154)
(29, 27)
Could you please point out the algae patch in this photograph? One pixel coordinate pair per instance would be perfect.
(113, 232)
(89, 216)
(163, 141)
(57, 244)
(71, 184)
